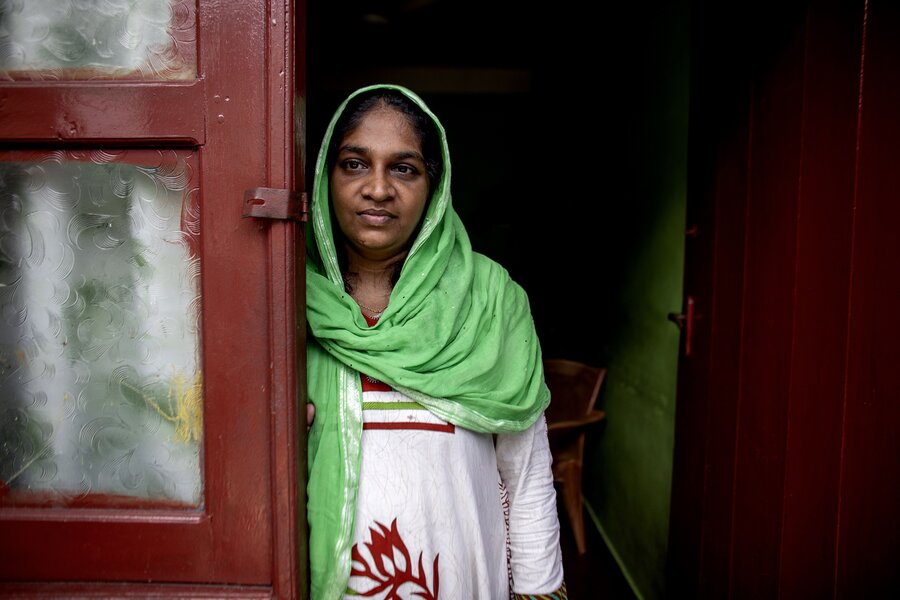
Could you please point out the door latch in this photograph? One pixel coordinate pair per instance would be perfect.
(276, 203)
(685, 322)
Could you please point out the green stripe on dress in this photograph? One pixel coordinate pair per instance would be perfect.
(392, 406)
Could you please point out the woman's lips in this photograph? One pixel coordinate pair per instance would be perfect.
(376, 216)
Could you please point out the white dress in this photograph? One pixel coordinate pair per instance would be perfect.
(430, 519)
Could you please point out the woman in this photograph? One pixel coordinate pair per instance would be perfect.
(425, 372)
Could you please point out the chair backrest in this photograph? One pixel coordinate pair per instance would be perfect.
(574, 388)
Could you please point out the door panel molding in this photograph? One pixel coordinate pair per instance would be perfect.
(104, 113)
(77, 591)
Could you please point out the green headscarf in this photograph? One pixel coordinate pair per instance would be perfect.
(457, 337)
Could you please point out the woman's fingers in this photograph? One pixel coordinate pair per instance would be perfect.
(310, 414)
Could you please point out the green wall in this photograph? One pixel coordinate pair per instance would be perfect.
(629, 468)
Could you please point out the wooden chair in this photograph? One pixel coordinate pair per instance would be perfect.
(574, 388)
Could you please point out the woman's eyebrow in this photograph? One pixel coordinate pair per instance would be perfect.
(408, 154)
(364, 151)
(354, 149)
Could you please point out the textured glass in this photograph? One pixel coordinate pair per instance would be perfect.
(100, 380)
(97, 39)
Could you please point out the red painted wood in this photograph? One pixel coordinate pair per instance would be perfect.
(86, 112)
(76, 591)
(801, 465)
(286, 268)
(236, 321)
(768, 309)
(869, 527)
(824, 221)
(245, 532)
(288, 501)
(731, 198)
(707, 384)
(47, 499)
(87, 545)
(301, 533)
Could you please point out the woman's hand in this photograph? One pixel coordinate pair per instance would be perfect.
(310, 414)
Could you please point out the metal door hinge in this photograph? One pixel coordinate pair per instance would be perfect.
(276, 203)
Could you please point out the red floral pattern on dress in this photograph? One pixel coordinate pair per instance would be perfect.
(385, 572)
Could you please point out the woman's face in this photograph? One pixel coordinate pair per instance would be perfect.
(379, 186)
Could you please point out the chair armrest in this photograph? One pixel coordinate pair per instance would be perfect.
(595, 416)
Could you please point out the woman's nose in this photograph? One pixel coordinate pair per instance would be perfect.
(378, 186)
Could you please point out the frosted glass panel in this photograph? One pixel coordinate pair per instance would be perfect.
(100, 376)
(97, 39)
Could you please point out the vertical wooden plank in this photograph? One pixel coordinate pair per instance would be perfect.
(768, 307)
(689, 458)
(812, 455)
(236, 316)
(288, 499)
(869, 531)
(721, 117)
(725, 351)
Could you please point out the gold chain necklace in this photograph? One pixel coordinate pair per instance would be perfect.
(372, 312)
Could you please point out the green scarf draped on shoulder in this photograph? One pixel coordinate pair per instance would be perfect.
(457, 337)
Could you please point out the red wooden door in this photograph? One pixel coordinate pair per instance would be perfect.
(148, 332)
(786, 475)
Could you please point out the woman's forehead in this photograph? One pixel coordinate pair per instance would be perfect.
(383, 128)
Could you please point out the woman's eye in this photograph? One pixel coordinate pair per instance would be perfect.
(405, 169)
(353, 164)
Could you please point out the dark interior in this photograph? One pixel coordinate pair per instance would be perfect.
(547, 175)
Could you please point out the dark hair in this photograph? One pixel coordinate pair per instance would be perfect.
(425, 129)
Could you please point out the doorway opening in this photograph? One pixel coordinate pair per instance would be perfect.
(568, 135)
